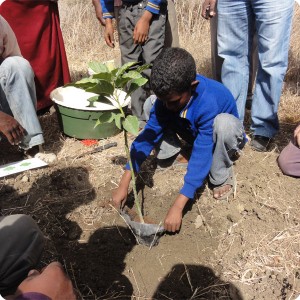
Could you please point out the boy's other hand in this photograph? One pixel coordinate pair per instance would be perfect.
(109, 33)
(51, 281)
(208, 9)
(141, 30)
(174, 216)
(119, 195)
(10, 127)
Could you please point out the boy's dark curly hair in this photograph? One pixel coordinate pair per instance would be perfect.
(173, 71)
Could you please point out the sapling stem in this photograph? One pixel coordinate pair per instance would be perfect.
(133, 178)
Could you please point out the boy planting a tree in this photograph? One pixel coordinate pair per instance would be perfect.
(204, 114)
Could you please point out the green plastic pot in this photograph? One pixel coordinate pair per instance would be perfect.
(80, 124)
(77, 120)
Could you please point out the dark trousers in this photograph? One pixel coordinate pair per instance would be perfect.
(129, 15)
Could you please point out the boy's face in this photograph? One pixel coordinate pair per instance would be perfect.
(177, 101)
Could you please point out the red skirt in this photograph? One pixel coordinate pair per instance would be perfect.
(37, 28)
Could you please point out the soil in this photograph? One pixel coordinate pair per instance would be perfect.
(246, 247)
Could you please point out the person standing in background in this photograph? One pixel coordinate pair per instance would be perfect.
(37, 28)
(272, 21)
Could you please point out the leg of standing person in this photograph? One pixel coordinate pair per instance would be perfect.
(171, 34)
(21, 247)
(235, 25)
(129, 15)
(273, 25)
(217, 61)
(229, 139)
(289, 160)
(18, 99)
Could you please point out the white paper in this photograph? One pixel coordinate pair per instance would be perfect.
(21, 166)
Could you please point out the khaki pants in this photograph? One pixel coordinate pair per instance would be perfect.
(21, 246)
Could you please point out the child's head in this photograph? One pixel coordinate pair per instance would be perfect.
(173, 77)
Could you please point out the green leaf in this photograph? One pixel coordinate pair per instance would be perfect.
(106, 117)
(135, 84)
(102, 87)
(104, 76)
(121, 82)
(84, 83)
(131, 125)
(118, 118)
(125, 67)
(144, 67)
(98, 67)
(132, 75)
(92, 100)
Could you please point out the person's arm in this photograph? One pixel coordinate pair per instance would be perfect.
(141, 30)
(119, 195)
(197, 170)
(8, 41)
(108, 15)
(173, 218)
(297, 136)
(98, 11)
(109, 33)
(9, 126)
(209, 8)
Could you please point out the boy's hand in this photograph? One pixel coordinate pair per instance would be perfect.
(297, 136)
(119, 195)
(13, 131)
(208, 9)
(109, 33)
(174, 216)
(141, 30)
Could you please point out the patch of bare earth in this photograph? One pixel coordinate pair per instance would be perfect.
(243, 248)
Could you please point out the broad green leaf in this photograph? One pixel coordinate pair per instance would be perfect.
(98, 67)
(135, 84)
(102, 87)
(104, 76)
(106, 117)
(125, 67)
(92, 100)
(132, 75)
(131, 125)
(121, 82)
(144, 67)
(118, 118)
(84, 83)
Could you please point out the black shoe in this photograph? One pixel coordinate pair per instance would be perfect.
(260, 143)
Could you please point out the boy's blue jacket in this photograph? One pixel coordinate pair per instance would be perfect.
(108, 7)
(209, 99)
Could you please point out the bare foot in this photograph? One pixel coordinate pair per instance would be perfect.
(223, 191)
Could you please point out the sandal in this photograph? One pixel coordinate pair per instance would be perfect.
(229, 181)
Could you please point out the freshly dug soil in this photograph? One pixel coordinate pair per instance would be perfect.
(243, 248)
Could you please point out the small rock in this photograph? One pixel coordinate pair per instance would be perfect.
(198, 222)
(25, 178)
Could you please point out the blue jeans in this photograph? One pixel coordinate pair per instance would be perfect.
(18, 98)
(272, 20)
